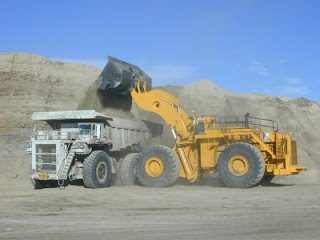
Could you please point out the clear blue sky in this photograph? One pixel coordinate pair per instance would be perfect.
(268, 47)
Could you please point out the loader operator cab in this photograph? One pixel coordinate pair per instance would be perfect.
(89, 130)
(203, 123)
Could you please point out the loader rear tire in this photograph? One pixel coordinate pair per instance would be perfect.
(241, 165)
(127, 169)
(158, 166)
(97, 170)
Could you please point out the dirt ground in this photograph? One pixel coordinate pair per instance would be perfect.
(207, 211)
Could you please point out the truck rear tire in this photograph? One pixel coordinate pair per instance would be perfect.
(241, 165)
(127, 169)
(97, 170)
(158, 166)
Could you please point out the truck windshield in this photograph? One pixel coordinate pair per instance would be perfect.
(85, 129)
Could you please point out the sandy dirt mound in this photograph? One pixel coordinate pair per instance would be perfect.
(103, 101)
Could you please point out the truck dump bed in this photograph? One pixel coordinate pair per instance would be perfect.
(122, 132)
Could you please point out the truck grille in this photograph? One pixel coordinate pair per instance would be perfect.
(46, 158)
(294, 157)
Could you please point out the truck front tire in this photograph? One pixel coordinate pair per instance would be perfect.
(97, 170)
(37, 184)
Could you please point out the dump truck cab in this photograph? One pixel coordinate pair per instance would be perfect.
(90, 131)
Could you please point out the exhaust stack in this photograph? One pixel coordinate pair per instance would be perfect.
(121, 78)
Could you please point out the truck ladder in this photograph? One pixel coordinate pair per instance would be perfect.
(63, 172)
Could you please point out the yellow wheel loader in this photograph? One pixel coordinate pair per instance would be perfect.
(244, 150)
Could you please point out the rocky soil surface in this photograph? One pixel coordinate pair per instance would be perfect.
(288, 209)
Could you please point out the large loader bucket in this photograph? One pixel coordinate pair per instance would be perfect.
(121, 77)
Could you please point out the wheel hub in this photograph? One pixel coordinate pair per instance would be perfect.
(238, 165)
(101, 171)
(154, 167)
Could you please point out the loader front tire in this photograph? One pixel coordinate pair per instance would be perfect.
(97, 170)
(266, 180)
(127, 169)
(241, 165)
(158, 166)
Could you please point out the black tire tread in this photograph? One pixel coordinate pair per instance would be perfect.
(125, 171)
(37, 184)
(87, 169)
(223, 159)
(267, 180)
(174, 172)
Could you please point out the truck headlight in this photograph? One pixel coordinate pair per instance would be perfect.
(80, 145)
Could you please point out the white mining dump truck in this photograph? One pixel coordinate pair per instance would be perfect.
(85, 145)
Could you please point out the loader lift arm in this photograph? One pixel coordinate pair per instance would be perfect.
(123, 78)
(168, 108)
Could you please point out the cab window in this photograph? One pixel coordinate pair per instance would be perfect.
(85, 129)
